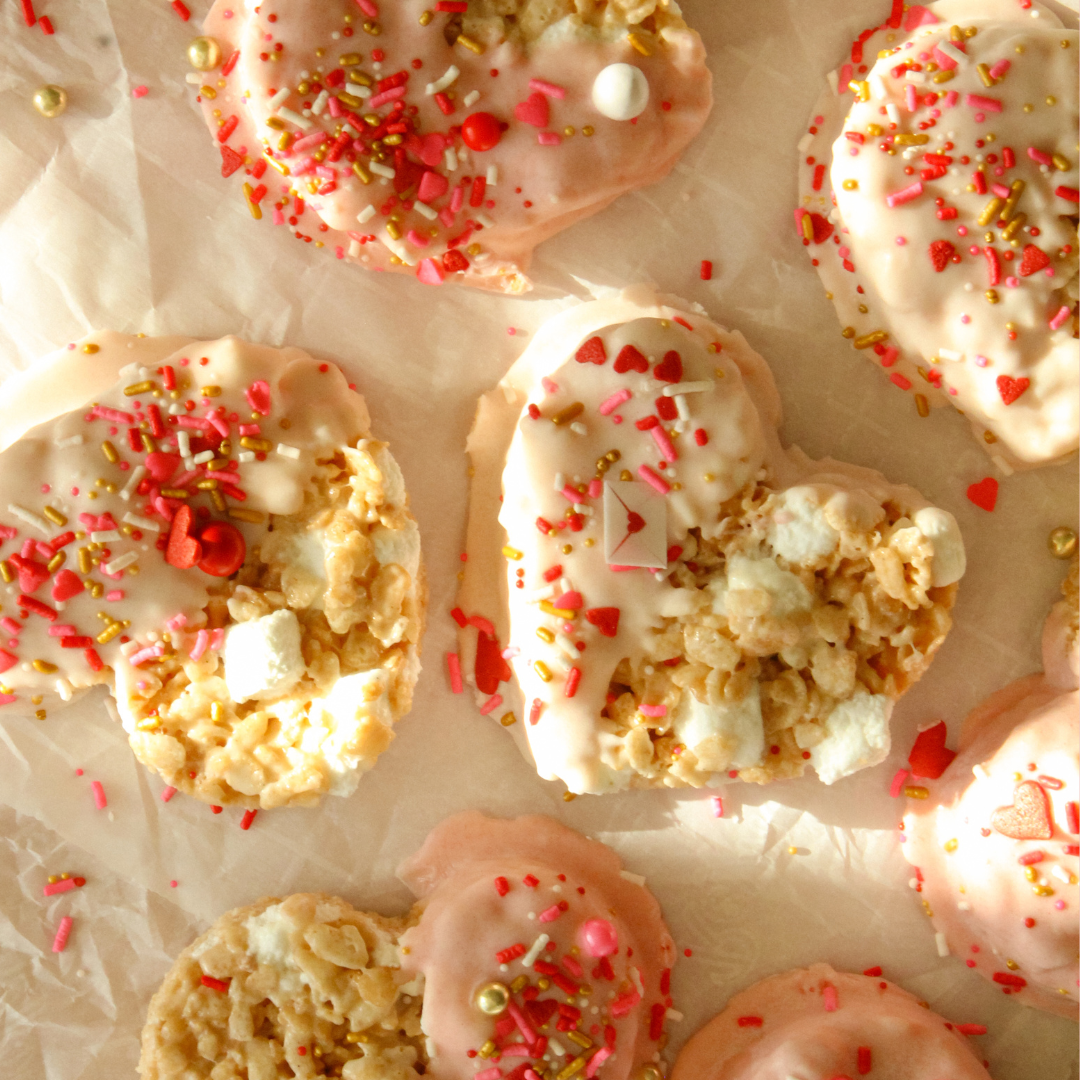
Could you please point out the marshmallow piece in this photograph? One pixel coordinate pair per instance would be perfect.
(789, 595)
(800, 532)
(950, 559)
(733, 724)
(621, 92)
(857, 737)
(262, 656)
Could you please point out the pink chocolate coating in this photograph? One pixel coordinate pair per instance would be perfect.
(489, 887)
(820, 1024)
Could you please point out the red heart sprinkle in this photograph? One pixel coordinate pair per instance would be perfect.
(432, 185)
(929, 757)
(1034, 259)
(32, 574)
(1030, 816)
(823, 228)
(66, 584)
(941, 253)
(666, 408)
(634, 522)
(605, 619)
(161, 466)
(984, 494)
(490, 668)
(258, 397)
(670, 368)
(183, 550)
(454, 262)
(629, 359)
(534, 110)
(592, 352)
(223, 549)
(230, 160)
(570, 601)
(1010, 389)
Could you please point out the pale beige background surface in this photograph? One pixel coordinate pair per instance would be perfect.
(115, 215)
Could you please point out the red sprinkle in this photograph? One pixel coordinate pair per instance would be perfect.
(701, 437)
(864, 1060)
(530, 880)
(247, 819)
(220, 985)
(1005, 978)
(459, 617)
(28, 12)
(181, 9)
(706, 270)
(873, 972)
(750, 1021)
(502, 886)
(656, 1022)
(46, 25)
(506, 955)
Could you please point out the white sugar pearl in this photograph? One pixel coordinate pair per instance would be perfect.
(621, 92)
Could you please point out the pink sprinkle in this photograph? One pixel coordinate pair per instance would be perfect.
(139, 92)
(308, 141)
(176, 621)
(550, 385)
(10, 625)
(613, 402)
(1000, 68)
(979, 101)
(56, 631)
(898, 198)
(250, 429)
(890, 356)
(653, 480)
(335, 108)
(492, 702)
(530, 1074)
(62, 933)
(1060, 318)
(217, 638)
(829, 997)
(368, 8)
(510, 652)
(523, 1025)
(663, 442)
(901, 241)
(167, 793)
(489, 1074)
(899, 380)
(1000, 190)
(910, 100)
(173, 884)
(596, 488)
(653, 710)
(951, 98)
(485, 626)
(897, 785)
(99, 794)
(1059, 905)
(550, 89)
(114, 595)
(429, 272)
(597, 1060)
(202, 640)
(516, 1050)
(55, 887)
(1041, 156)
(416, 239)
(387, 95)
(453, 664)
(550, 915)
(569, 600)
(571, 493)
(548, 138)
(143, 655)
(279, 217)
(717, 806)
(981, 361)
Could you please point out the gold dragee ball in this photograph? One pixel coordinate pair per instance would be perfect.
(204, 54)
(50, 101)
(1062, 543)
(650, 1072)
(492, 998)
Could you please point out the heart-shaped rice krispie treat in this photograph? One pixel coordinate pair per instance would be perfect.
(447, 140)
(938, 201)
(995, 840)
(657, 593)
(529, 946)
(209, 529)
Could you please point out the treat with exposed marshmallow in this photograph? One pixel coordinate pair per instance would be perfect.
(209, 529)
(938, 190)
(996, 843)
(821, 1024)
(657, 593)
(447, 144)
(529, 950)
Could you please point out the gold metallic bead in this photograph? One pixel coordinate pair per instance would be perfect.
(1062, 543)
(492, 998)
(204, 54)
(650, 1072)
(50, 101)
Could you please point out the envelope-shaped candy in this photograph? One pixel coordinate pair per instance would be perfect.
(635, 525)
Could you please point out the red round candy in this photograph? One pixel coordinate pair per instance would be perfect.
(481, 131)
(223, 549)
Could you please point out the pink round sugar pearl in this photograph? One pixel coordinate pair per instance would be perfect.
(598, 937)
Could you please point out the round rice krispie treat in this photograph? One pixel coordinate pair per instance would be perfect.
(996, 843)
(304, 987)
(938, 191)
(536, 949)
(820, 1024)
(447, 140)
(209, 529)
(657, 593)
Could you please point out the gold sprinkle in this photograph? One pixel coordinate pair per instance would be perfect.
(956, 34)
(911, 140)
(922, 406)
(1031, 873)
(350, 59)
(148, 442)
(218, 500)
(848, 332)
(544, 634)
(984, 74)
(1014, 226)
(1062, 542)
(138, 388)
(873, 338)
(56, 561)
(913, 792)
(1061, 163)
(217, 712)
(571, 412)
(549, 608)
(951, 845)
(249, 442)
(507, 719)
(148, 723)
(286, 141)
(487, 1049)
(569, 132)
(90, 347)
(253, 206)
(472, 46)
(991, 295)
(1051, 100)
(990, 211)
(860, 88)
(1042, 890)
(5, 572)
(350, 100)
(639, 44)
(44, 667)
(39, 714)
(208, 92)
(874, 130)
(253, 517)
(575, 1066)
(394, 229)
(211, 391)
(110, 452)
(944, 76)
(109, 633)
(580, 1038)
(425, 17)
(175, 493)
(588, 130)
(54, 515)
(542, 670)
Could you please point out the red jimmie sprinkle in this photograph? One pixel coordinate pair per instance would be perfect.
(247, 819)
(46, 25)
(706, 270)
(864, 1059)
(459, 617)
(181, 9)
(970, 1029)
(1006, 978)
(220, 985)
(656, 1022)
(534, 711)
(28, 12)
(1072, 817)
(873, 972)
(665, 982)
(502, 886)
(553, 572)
(506, 955)
(572, 680)
(750, 1021)
(226, 68)
(530, 880)
(228, 128)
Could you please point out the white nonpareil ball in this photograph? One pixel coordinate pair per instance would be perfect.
(621, 92)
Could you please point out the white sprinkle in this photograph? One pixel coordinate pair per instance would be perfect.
(425, 211)
(805, 143)
(682, 408)
(120, 562)
(531, 916)
(688, 388)
(133, 482)
(194, 78)
(963, 905)
(484, 220)
(105, 536)
(471, 98)
(141, 522)
(535, 950)
(492, 175)
(877, 87)
(175, 409)
(560, 481)
(674, 1014)
(445, 80)
(953, 53)
(451, 159)
(546, 593)
(1002, 464)
(183, 443)
(941, 943)
(205, 455)
(834, 82)
(71, 440)
(301, 122)
(379, 169)
(30, 518)
(576, 427)
(319, 104)
(357, 90)
(1061, 873)
(246, 456)
(893, 113)
(556, 1047)
(916, 76)
(278, 99)
(366, 214)
(635, 977)
(980, 772)
(634, 879)
(288, 451)
(354, 248)
(950, 354)
(913, 883)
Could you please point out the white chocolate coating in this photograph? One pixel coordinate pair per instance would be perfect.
(974, 314)
(730, 397)
(485, 886)
(813, 1024)
(438, 208)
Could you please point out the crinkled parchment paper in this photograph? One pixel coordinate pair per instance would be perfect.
(114, 215)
